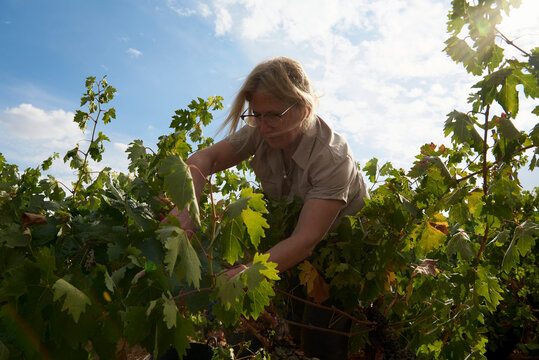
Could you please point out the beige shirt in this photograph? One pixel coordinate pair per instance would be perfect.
(322, 167)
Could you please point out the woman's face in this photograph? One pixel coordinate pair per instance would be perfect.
(288, 131)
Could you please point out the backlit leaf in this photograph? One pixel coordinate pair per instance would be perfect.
(231, 237)
(255, 223)
(179, 185)
(460, 244)
(256, 200)
(431, 238)
(488, 287)
(522, 243)
(75, 300)
(507, 97)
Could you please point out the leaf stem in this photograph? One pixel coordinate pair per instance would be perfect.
(187, 293)
(485, 178)
(494, 163)
(510, 42)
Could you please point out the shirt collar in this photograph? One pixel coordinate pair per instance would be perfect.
(305, 147)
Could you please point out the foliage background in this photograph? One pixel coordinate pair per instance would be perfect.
(439, 263)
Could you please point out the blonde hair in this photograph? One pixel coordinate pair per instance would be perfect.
(282, 78)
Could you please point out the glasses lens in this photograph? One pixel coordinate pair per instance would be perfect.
(249, 120)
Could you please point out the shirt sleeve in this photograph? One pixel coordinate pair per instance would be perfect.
(245, 141)
(334, 178)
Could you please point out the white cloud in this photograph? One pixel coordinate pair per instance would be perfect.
(29, 135)
(134, 52)
(223, 23)
(26, 122)
(204, 10)
(183, 11)
(379, 65)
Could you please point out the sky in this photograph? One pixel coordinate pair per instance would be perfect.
(377, 65)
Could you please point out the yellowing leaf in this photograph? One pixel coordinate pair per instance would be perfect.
(439, 219)
(75, 300)
(431, 238)
(474, 201)
(307, 275)
(256, 200)
(391, 277)
(317, 287)
(255, 223)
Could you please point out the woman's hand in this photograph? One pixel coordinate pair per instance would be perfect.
(235, 270)
(183, 217)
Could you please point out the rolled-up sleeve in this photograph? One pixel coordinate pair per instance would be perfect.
(331, 178)
(244, 141)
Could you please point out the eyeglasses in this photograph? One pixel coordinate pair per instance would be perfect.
(272, 119)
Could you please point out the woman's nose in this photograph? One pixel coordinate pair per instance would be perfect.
(263, 127)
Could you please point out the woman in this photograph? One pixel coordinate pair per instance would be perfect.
(295, 153)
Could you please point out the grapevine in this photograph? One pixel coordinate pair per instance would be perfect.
(440, 263)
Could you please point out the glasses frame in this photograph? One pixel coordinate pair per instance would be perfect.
(258, 118)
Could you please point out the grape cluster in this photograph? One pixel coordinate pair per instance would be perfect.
(209, 311)
(383, 338)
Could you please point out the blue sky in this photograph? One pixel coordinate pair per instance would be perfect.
(378, 65)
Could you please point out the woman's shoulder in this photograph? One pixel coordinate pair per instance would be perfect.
(329, 143)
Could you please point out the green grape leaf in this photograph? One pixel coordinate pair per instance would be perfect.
(136, 324)
(75, 300)
(488, 87)
(488, 287)
(178, 246)
(13, 236)
(371, 169)
(234, 210)
(461, 52)
(522, 243)
(260, 270)
(255, 223)
(258, 299)
(231, 237)
(460, 244)
(507, 97)
(170, 312)
(136, 155)
(46, 262)
(179, 184)
(534, 134)
(462, 130)
(183, 333)
(230, 291)
(507, 128)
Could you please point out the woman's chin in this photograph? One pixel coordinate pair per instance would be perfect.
(273, 142)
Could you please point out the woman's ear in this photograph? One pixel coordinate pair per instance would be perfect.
(306, 112)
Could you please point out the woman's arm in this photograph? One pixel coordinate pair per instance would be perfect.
(314, 221)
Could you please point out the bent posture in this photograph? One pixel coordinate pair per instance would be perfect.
(295, 154)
